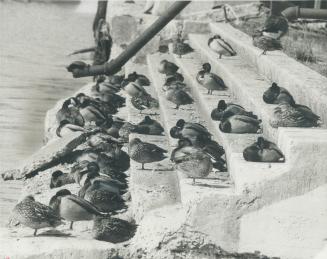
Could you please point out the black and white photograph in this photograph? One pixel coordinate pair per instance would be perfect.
(161, 129)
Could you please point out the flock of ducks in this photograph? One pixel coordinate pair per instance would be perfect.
(100, 169)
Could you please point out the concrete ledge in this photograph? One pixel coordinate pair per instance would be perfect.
(294, 228)
(307, 86)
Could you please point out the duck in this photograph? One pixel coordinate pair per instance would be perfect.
(176, 77)
(73, 208)
(286, 115)
(178, 97)
(102, 196)
(143, 152)
(266, 43)
(191, 161)
(240, 124)
(276, 95)
(215, 151)
(175, 85)
(133, 88)
(116, 125)
(107, 97)
(275, 26)
(181, 48)
(66, 128)
(80, 176)
(115, 79)
(263, 151)
(35, 215)
(210, 80)
(70, 113)
(195, 132)
(138, 79)
(220, 46)
(106, 87)
(112, 229)
(144, 101)
(153, 126)
(225, 110)
(77, 65)
(168, 68)
(58, 179)
(92, 114)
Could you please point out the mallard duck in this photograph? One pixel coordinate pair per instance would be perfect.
(181, 48)
(58, 179)
(178, 97)
(80, 176)
(77, 65)
(286, 115)
(266, 43)
(114, 167)
(133, 88)
(215, 151)
(175, 85)
(166, 67)
(109, 98)
(153, 126)
(144, 101)
(240, 124)
(104, 107)
(177, 77)
(106, 87)
(263, 151)
(143, 152)
(195, 132)
(138, 79)
(191, 161)
(220, 46)
(210, 80)
(116, 125)
(70, 113)
(65, 128)
(91, 115)
(275, 26)
(112, 229)
(73, 208)
(225, 110)
(276, 95)
(35, 215)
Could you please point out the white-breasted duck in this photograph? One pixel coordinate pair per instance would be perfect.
(240, 124)
(209, 80)
(73, 208)
(220, 46)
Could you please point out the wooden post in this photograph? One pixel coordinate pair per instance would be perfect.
(317, 4)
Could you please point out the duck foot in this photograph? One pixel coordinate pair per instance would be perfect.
(71, 225)
(35, 232)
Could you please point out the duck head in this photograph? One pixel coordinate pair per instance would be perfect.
(132, 77)
(29, 198)
(271, 94)
(81, 98)
(262, 143)
(180, 123)
(135, 141)
(93, 167)
(206, 67)
(175, 132)
(225, 126)
(251, 154)
(221, 105)
(147, 120)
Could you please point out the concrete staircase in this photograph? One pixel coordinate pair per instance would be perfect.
(236, 209)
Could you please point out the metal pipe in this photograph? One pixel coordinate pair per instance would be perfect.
(296, 12)
(116, 64)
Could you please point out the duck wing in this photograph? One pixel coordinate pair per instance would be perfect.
(89, 207)
(225, 45)
(44, 212)
(247, 119)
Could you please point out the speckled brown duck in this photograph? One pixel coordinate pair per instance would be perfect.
(168, 68)
(35, 215)
(143, 152)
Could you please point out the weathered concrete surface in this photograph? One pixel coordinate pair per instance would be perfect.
(307, 86)
(287, 227)
(50, 154)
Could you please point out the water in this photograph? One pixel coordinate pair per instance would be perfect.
(35, 39)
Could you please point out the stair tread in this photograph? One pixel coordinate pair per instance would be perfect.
(306, 85)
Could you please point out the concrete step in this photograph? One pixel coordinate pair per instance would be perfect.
(307, 86)
(216, 183)
(156, 186)
(249, 94)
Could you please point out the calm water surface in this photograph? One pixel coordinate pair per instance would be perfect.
(35, 39)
